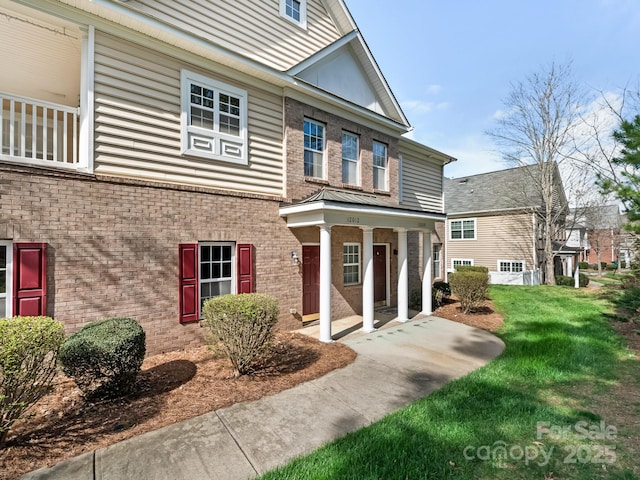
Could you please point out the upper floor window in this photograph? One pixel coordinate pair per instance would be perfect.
(351, 263)
(380, 166)
(463, 229)
(295, 11)
(314, 147)
(214, 119)
(350, 155)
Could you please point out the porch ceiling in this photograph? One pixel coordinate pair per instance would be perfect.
(337, 207)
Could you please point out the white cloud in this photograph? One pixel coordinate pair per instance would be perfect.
(433, 89)
(420, 107)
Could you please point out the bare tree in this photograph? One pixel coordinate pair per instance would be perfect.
(537, 130)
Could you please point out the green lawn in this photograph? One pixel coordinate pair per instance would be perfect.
(539, 401)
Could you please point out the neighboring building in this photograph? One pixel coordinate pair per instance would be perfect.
(598, 231)
(492, 221)
(155, 154)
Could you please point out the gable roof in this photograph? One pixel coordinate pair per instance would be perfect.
(603, 217)
(502, 190)
(346, 68)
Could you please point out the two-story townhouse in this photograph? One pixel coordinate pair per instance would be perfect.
(493, 220)
(156, 154)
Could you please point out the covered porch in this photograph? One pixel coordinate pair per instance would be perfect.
(329, 209)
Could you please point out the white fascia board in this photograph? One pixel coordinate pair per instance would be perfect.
(474, 213)
(325, 52)
(362, 209)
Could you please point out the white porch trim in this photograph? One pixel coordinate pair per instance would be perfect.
(325, 283)
(427, 273)
(403, 276)
(367, 280)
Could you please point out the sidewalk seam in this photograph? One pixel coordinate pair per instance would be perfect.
(230, 431)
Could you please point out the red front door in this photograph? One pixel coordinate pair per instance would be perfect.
(310, 280)
(379, 274)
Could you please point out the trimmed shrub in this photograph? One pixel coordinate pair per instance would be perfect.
(583, 280)
(583, 265)
(565, 281)
(243, 325)
(104, 357)
(415, 299)
(603, 265)
(440, 292)
(28, 351)
(470, 287)
(444, 287)
(472, 268)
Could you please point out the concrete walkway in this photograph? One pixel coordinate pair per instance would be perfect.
(395, 366)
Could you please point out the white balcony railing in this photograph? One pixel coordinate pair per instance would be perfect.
(38, 132)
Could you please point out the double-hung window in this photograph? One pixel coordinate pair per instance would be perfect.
(513, 266)
(437, 251)
(462, 229)
(380, 162)
(294, 11)
(314, 149)
(5, 279)
(214, 119)
(210, 269)
(217, 269)
(461, 262)
(351, 263)
(350, 155)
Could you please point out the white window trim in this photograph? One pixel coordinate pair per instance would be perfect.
(324, 148)
(9, 278)
(511, 262)
(437, 273)
(453, 260)
(462, 220)
(303, 13)
(190, 134)
(357, 159)
(386, 167)
(347, 244)
(233, 278)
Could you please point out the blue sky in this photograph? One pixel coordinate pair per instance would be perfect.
(451, 63)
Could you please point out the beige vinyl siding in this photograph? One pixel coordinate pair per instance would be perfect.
(253, 28)
(137, 124)
(421, 183)
(499, 237)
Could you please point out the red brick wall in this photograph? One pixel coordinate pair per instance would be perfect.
(299, 187)
(113, 246)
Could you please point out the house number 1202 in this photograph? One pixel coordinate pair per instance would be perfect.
(353, 219)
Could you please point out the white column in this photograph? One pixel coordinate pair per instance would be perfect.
(403, 277)
(367, 279)
(427, 273)
(325, 283)
(569, 266)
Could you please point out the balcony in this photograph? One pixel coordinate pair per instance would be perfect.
(36, 132)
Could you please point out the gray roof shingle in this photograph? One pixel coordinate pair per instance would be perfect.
(508, 189)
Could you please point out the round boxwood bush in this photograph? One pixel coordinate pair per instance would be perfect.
(28, 350)
(104, 357)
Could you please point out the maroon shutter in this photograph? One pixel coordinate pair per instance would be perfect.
(30, 279)
(188, 282)
(244, 259)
